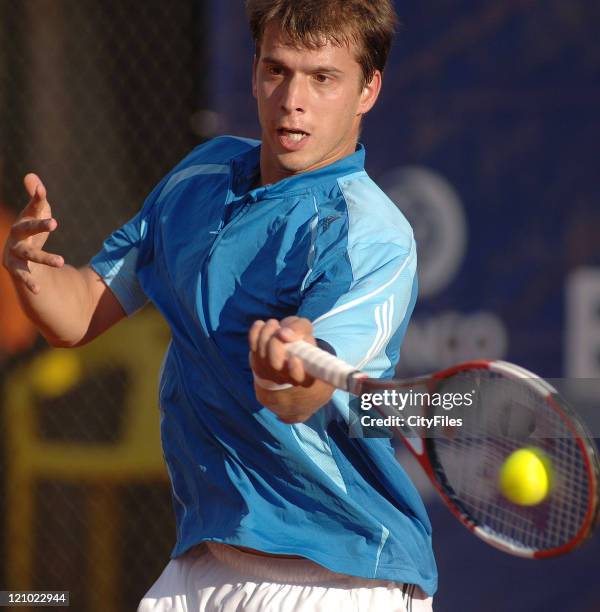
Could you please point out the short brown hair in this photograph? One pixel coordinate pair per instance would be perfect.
(368, 23)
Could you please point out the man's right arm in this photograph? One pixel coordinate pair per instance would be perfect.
(70, 306)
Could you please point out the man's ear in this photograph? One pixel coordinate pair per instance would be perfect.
(254, 65)
(370, 93)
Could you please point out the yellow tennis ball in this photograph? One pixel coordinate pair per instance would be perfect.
(525, 476)
(54, 372)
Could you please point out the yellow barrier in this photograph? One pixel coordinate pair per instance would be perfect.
(136, 345)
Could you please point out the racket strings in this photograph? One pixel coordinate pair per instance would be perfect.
(508, 415)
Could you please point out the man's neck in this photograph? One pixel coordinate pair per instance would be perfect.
(269, 175)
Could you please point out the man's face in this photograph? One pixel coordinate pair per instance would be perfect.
(309, 104)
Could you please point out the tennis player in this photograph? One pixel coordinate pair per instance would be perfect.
(244, 246)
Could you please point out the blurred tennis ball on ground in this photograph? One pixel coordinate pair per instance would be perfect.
(525, 478)
(54, 372)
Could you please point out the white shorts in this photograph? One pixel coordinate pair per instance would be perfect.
(215, 577)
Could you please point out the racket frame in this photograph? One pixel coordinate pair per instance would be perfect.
(343, 376)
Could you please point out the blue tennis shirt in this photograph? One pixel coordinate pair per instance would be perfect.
(214, 254)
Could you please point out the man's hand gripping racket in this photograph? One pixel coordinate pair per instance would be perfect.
(514, 409)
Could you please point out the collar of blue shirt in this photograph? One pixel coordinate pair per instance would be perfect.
(246, 166)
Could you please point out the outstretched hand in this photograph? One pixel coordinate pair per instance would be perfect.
(28, 235)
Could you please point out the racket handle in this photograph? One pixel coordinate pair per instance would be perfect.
(322, 365)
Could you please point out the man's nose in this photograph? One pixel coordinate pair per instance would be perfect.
(293, 94)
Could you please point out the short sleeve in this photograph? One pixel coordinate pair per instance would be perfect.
(125, 251)
(360, 301)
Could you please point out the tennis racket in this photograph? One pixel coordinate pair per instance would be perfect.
(510, 408)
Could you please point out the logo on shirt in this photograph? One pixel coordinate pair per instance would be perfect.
(328, 221)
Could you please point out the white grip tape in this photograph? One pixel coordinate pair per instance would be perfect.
(322, 365)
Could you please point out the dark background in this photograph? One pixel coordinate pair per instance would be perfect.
(485, 135)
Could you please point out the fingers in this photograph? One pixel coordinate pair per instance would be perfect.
(29, 234)
(276, 353)
(296, 370)
(37, 194)
(26, 252)
(300, 326)
(253, 334)
(17, 258)
(34, 184)
(20, 271)
(269, 358)
(264, 337)
(265, 345)
(268, 350)
(29, 227)
(288, 330)
(288, 334)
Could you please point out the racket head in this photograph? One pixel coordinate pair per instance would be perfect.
(514, 409)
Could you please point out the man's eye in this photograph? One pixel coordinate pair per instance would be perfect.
(275, 70)
(321, 78)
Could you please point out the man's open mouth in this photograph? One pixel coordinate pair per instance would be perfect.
(292, 134)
